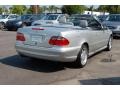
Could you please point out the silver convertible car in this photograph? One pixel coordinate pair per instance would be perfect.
(64, 42)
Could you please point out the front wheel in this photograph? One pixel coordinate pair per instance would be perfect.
(82, 57)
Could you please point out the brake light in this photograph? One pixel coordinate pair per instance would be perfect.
(58, 41)
(20, 37)
(37, 28)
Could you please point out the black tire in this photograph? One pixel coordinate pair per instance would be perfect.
(109, 45)
(79, 61)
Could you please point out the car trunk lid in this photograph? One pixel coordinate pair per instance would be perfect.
(40, 36)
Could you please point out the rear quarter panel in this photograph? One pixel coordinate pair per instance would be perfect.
(79, 37)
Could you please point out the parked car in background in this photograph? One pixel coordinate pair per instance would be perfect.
(102, 17)
(63, 42)
(24, 20)
(5, 18)
(51, 19)
(113, 23)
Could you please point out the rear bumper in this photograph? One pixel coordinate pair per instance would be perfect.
(54, 54)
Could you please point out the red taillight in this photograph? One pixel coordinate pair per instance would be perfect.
(37, 28)
(20, 37)
(58, 41)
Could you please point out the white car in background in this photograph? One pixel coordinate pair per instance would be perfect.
(51, 19)
(5, 18)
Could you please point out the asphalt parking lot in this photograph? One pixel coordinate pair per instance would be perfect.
(102, 68)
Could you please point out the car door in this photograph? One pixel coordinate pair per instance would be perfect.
(100, 34)
(92, 39)
(106, 35)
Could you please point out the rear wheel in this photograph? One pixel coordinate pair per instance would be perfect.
(82, 57)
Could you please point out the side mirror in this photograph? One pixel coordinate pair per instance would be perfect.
(83, 23)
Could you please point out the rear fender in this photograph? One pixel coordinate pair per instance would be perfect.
(82, 42)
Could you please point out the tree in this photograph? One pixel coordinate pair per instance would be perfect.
(44, 8)
(114, 9)
(109, 8)
(56, 9)
(51, 8)
(34, 9)
(4, 10)
(29, 10)
(1, 10)
(91, 9)
(19, 9)
(103, 8)
(10, 9)
(73, 9)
